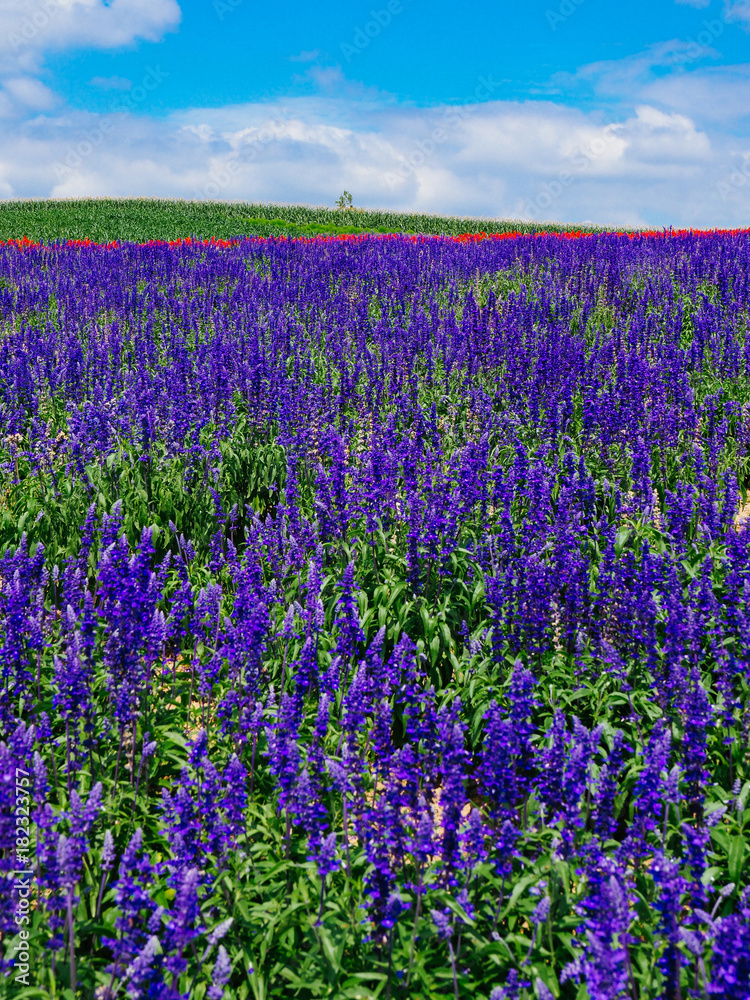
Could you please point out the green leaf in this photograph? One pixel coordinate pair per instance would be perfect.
(742, 797)
(736, 854)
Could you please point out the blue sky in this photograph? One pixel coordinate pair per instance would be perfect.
(573, 110)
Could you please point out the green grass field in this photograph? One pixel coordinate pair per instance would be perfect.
(140, 219)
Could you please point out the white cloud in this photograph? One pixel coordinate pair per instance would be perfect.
(498, 159)
(671, 75)
(734, 10)
(670, 141)
(625, 79)
(25, 94)
(111, 82)
(716, 95)
(304, 56)
(739, 10)
(28, 28)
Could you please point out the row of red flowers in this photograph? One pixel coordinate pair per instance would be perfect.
(25, 243)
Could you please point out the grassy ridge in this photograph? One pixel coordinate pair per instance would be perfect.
(140, 219)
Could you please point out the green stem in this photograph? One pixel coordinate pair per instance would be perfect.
(71, 941)
(417, 915)
(453, 969)
(390, 965)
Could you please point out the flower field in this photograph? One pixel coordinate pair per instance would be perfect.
(375, 617)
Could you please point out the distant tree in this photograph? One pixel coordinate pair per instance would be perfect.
(345, 200)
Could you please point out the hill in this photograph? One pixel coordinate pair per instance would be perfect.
(141, 219)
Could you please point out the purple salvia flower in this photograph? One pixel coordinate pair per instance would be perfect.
(350, 635)
(648, 789)
(326, 859)
(442, 922)
(135, 878)
(140, 974)
(217, 934)
(698, 717)
(221, 973)
(606, 788)
(543, 991)
(182, 925)
(669, 906)
(730, 973)
(451, 735)
(511, 990)
(605, 963)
